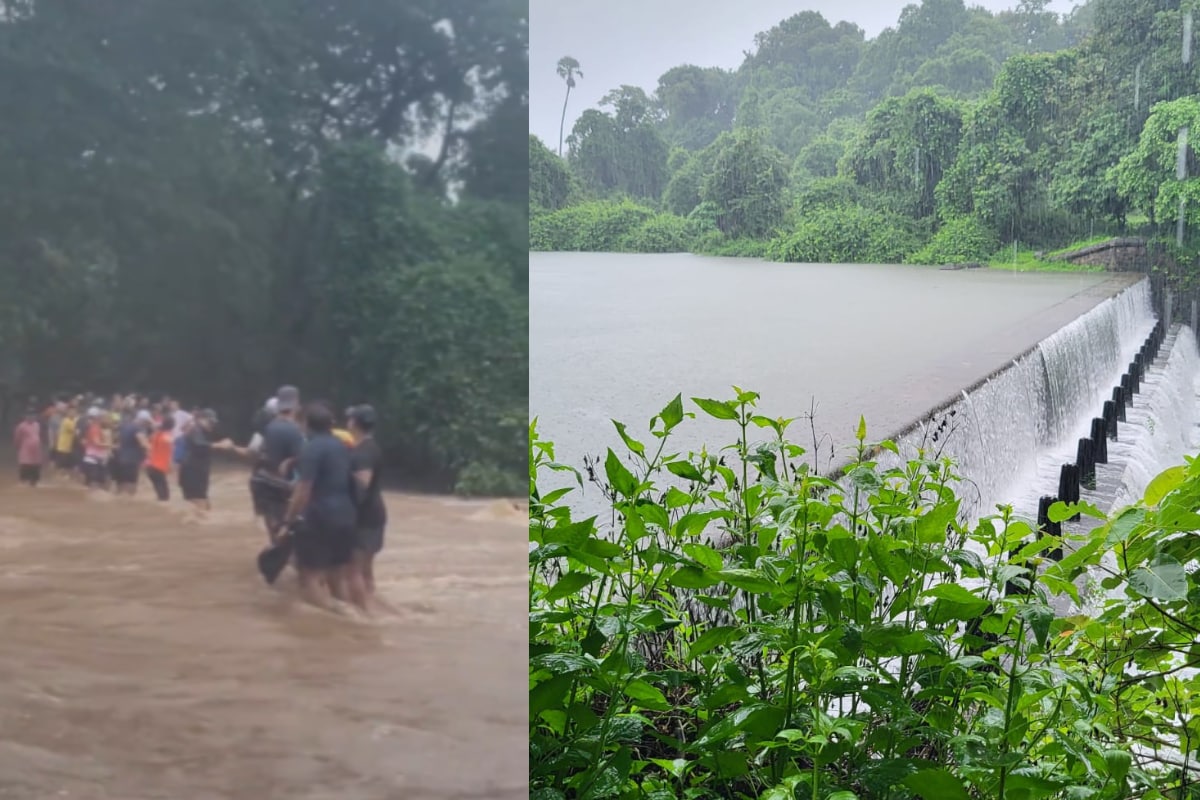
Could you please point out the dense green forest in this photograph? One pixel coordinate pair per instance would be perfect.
(949, 136)
(213, 197)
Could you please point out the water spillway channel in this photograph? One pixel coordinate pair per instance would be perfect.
(1012, 434)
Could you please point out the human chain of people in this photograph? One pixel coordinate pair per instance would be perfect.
(315, 483)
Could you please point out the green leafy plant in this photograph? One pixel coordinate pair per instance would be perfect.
(960, 240)
(739, 626)
(847, 234)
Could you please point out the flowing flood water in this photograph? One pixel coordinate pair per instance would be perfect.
(144, 658)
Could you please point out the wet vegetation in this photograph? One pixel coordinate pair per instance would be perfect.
(741, 627)
(951, 137)
(213, 198)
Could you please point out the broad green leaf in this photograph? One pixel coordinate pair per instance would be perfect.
(713, 638)
(654, 514)
(692, 578)
(890, 564)
(602, 548)
(748, 580)
(635, 528)
(678, 499)
(931, 528)
(631, 443)
(619, 477)
(646, 695)
(563, 663)
(1165, 483)
(1164, 580)
(694, 524)
(1121, 527)
(676, 768)
(952, 602)
(754, 717)
(548, 694)
(704, 555)
(572, 534)
(1038, 618)
(672, 415)
(936, 784)
(568, 584)
(685, 470)
(1117, 762)
(716, 408)
(1059, 512)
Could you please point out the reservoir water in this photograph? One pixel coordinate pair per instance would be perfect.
(615, 336)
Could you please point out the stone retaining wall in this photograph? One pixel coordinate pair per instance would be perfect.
(1115, 255)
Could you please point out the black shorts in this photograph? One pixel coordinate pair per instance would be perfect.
(320, 546)
(30, 473)
(94, 473)
(369, 540)
(271, 497)
(125, 473)
(193, 483)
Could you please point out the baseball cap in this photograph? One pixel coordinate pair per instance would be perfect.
(287, 398)
(364, 415)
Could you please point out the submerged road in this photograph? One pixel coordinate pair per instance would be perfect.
(142, 658)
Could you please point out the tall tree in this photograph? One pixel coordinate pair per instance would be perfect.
(567, 69)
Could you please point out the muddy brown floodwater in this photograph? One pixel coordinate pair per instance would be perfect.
(144, 658)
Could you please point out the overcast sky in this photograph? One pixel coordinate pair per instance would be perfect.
(635, 41)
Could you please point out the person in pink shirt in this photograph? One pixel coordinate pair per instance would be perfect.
(28, 440)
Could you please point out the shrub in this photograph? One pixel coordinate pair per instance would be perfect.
(715, 243)
(598, 226)
(845, 235)
(662, 233)
(960, 240)
(746, 628)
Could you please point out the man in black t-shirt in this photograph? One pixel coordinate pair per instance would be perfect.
(196, 468)
(323, 515)
(367, 462)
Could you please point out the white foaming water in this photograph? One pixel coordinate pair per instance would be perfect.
(1159, 429)
(999, 432)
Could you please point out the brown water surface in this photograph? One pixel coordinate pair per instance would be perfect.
(142, 657)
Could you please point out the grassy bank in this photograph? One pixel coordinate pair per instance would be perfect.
(841, 234)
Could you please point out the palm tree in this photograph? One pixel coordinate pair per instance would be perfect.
(568, 70)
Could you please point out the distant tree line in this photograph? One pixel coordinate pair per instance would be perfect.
(212, 198)
(947, 136)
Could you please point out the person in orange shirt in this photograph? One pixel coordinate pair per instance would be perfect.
(158, 458)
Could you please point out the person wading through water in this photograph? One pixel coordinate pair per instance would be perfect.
(133, 442)
(322, 516)
(63, 456)
(158, 458)
(278, 448)
(27, 437)
(366, 460)
(196, 469)
(96, 444)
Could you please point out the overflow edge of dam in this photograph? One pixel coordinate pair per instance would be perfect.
(1113, 287)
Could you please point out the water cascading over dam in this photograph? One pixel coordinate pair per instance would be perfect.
(1011, 433)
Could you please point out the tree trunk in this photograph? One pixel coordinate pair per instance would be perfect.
(563, 121)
